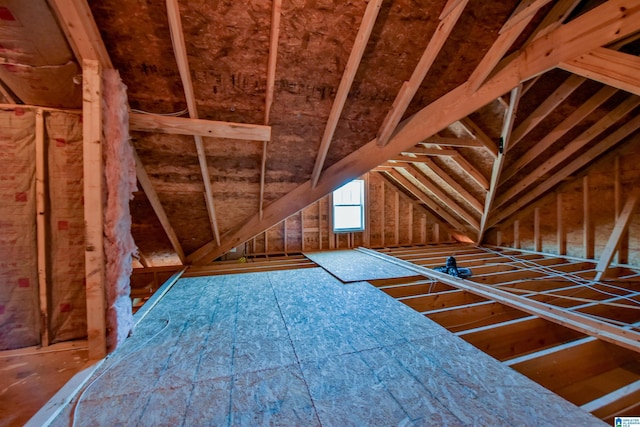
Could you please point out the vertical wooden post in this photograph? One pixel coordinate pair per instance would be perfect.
(516, 234)
(302, 230)
(332, 240)
(537, 239)
(41, 229)
(436, 232)
(319, 224)
(93, 175)
(623, 245)
(266, 241)
(587, 232)
(499, 238)
(367, 211)
(284, 226)
(423, 229)
(562, 237)
(410, 233)
(396, 215)
(382, 222)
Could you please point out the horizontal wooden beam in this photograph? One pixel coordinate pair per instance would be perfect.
(198, 127)
(607, 66)
(453, 142)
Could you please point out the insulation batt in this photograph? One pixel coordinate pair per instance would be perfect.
(120, 174)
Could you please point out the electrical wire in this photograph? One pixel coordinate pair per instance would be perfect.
(74, 414)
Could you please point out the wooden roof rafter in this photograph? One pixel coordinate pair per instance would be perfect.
(362, 38)
(276, 12)
(600, 26)
(607, 66)
(619, 134)
(448, 19)
(180, 52)
(452, 142)
(478, 134)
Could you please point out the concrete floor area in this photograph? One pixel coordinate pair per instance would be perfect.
(300, 348)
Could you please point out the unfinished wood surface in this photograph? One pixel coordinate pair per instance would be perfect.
(320, 371)
(354, 266)
(93, 180)
(41, 228)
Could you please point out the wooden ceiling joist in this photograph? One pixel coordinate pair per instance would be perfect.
(198, 127)
(607, 66)
(154, 200)
(559, 131)
(544, 109)
(409, 88)
(597, 150)
(180, 52)
(570, 149)
(362, 38)
(600, 26)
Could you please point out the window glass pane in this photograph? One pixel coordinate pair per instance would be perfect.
(349, 194)
(347, 217)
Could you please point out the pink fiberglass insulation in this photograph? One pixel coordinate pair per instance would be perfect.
(120, 174)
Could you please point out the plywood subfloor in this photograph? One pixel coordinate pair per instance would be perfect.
(355, 266)
(30, 377)
(299, 348)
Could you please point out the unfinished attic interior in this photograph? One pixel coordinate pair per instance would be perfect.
(172, 251)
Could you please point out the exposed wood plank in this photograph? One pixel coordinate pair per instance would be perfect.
(480, 135)
(548, 105)
(570, 149)
(614, 239)
(516, 234)
(471, 170)
(554, 135)
(606, 332)
(587, 226)
(609, 399)
(537, 238)
(607, 66)
(508, 34)
(431, 205)
(562, 234)
(597, 27)
(367, 203)
(498, 163)
(607, 143)
(409, 88)
(451, 182)
(417, 175)
(423, 151)
(556, 17)
(77, 22)
(396, 218)
(93, 181)
(193, 126)
(180, 52)
(271, 78)
(623, 247)
(41, 228)
(154, 200)
(453, 142)
(525, 10)
(362, 38)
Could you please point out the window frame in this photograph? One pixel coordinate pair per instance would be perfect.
(361, 205)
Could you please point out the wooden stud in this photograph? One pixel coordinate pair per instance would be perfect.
(623, 247)
(516, 234)
(477, 133)
(362, 38)
(537, 238)
(410, 230)
(499, 238)
(263, 168)
(41, 228)
(587, 230)
(93, 180)
(285, 236)
(609, 67)
(396, 218)
(436, 232)
(621, 225)
(562, 234)
(423, 228)
(409, 88)
(302, 231)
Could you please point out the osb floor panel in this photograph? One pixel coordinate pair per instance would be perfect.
(354, 266)
(28, 381)
(298, 348)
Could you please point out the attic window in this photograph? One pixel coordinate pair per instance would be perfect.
(348, 207)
